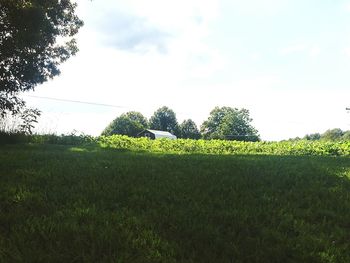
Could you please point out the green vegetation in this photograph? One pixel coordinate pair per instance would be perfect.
(329, 135)
(223, 123)
(130, 123)
(226, 147)
(164, 119)
(35, 38)
(189, 130)
(188, 146)
(229, 124)
(90, 204)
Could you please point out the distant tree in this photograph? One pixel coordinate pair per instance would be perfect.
(332, 135)
(295, 139)
(230, 124)
(164, 119)
(312, 137)
(189, 130)
(137, 117)
(346, 136)
(29, 51)
(130, 123)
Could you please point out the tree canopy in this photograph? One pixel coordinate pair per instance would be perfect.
(329, 135)
(346, 136)
(223, 123)
(130, 123)
(189, 130)
(312, 137)
(164, 119)
(332, 135)
(29, 51)
(230, 124)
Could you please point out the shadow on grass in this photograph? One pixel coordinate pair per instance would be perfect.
(77, 203)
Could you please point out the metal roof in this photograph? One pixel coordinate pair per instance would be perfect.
(162, 134)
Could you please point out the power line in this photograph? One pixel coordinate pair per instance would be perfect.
(76, 101)
(86, 102)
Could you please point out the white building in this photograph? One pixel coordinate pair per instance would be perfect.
(154, 134)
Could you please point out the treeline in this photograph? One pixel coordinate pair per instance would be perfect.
(224, 123)
(329, 135)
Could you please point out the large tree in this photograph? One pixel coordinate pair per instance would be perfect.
(230, 124)
(130, 123)
(189, 130)
(137, 117)
(30, 52)
(164, 119)
(332, 135)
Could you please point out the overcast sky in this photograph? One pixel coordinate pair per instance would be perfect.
(287, 61)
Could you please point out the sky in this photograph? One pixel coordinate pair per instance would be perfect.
(286, 61)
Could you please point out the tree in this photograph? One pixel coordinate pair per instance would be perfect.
(29, 51)
(346, 136)
(130, 123)
(312, 137)
(332, 135)
(164, 119)
(189, 130)
(137, 117)
(230, 124)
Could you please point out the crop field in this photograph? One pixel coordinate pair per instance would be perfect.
(187, 146)
(324, 148)
(92, 204)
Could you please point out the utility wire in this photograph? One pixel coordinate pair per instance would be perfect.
(76, 101)
(85, 102)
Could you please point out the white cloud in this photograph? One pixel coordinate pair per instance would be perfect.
(312, 51)
(347, 51)
(293, 49)
(255, 56)
(176, 15)
(347, 7)
(131, 22)
(315, 51)
(257, 7)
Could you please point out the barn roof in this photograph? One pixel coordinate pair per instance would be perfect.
(161, 134)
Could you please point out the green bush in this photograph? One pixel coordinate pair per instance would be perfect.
(12, 138)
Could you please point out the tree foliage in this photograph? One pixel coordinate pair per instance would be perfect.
(230, 124)
(21, 123)
(329, 135)
(130, 123)
(189, 130)
(164, 119)
(346, 136)
(29, 51)
(332, 135)
(312, 137)
(137, 117)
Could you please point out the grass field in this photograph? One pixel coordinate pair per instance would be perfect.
(89, 204)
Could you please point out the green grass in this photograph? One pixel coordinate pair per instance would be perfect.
(88, 204)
